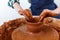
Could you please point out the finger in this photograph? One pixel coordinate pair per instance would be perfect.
(47, 13)
(29, 14)
(42, 15)
(47, 20)
(25, 13)
(20, 12)
(51, 13)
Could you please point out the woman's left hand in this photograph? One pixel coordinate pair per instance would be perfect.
(47, 13)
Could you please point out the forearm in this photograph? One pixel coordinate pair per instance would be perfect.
(57, 10)
(17, 7)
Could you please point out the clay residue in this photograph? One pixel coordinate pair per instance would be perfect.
(34, 20)
(7, 28)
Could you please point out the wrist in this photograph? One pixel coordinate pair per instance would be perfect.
(57, 10)
(17, 7)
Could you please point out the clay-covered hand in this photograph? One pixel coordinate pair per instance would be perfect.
(47, 13)
(11, 2)
(27, 14)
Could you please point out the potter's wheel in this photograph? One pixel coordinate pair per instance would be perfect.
(46, 33)
(20, 31)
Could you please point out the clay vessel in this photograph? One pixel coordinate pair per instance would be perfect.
(39, 31)
(35, 30)
(33, 26)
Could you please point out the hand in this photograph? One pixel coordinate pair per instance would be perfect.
(47, 13)
(27, 14)
(11, 2)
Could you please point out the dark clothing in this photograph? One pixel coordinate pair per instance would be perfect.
(37, 6)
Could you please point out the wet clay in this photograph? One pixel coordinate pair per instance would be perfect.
(8, 27)
(45, 34)
(33, 26)
(35, 31)
(27, 14)
(19, 29)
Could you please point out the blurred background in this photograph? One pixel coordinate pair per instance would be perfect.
(7, 13)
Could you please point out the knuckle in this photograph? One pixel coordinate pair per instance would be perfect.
(45, 9)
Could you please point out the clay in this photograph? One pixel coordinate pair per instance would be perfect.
(21, 29)
(45, 34)
(53, 22)
(8, 27)
(35, 31)
(27, 14)
(46, 13)
(33, 26)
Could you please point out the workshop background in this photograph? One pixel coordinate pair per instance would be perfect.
(7, 13)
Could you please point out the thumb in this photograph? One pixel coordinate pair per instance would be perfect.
(52, 13)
